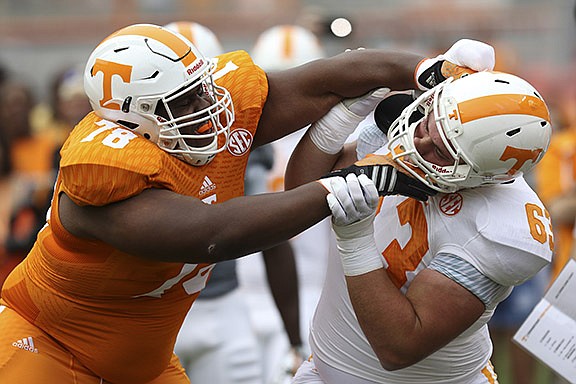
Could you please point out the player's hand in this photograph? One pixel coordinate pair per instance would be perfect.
(387, 178)
(350, 198)
(464, 57)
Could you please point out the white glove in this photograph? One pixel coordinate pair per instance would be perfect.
(464, 57)
(331, 131)
(350, 199)
(357, 247)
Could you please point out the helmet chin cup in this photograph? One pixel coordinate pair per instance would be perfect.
(197, 160)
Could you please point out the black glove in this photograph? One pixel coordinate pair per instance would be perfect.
(388, 180)
(432, 76)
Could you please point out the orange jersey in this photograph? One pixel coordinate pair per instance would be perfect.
(117, 313)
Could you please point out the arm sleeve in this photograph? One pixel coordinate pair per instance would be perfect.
(465, 274)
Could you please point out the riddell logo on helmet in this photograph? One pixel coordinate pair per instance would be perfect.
(440, 169)
(196, 66)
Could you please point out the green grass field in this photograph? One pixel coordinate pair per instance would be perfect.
(501, 362)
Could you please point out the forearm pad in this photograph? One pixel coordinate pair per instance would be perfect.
(331, 131)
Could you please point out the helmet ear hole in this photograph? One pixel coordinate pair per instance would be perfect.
(127, 124)
(126, 104)
(513, 132)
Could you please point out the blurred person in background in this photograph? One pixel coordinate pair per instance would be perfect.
(555, 179)
(28, 180)
(225, 349)
(208, 42)
(279, 48)
(48, 128)
(150, 194)
(68, 103)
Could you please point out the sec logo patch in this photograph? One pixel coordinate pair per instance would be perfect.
(240, 142)
(451, 204)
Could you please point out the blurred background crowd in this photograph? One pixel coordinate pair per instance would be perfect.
(44, 44)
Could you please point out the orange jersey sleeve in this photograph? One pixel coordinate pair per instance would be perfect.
(119, 314)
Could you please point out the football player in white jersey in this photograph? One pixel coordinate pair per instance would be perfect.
(409, 291)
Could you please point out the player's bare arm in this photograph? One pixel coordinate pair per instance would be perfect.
(416, 324)
(302, 95)
(165, 226)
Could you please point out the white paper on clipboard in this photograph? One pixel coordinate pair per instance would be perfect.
(549, 332)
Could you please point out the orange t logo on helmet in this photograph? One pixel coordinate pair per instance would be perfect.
(109, 69)
(521, 156)
(180, 48)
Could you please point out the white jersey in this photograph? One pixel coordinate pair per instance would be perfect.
(503, 231)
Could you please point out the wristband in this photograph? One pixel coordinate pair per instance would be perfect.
(330, 132)
(357, 247)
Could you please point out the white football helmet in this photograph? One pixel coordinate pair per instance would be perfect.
(286, 46)
(139, 74)
(202, 37)
(495, 125)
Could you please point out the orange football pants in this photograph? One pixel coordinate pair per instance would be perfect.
(29, 355)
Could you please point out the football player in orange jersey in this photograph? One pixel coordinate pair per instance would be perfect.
(150, 194)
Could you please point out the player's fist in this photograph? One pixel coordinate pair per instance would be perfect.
(464, 57)
(351, 198)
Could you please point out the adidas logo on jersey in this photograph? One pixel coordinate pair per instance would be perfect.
(26, 344)
(207, 186)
